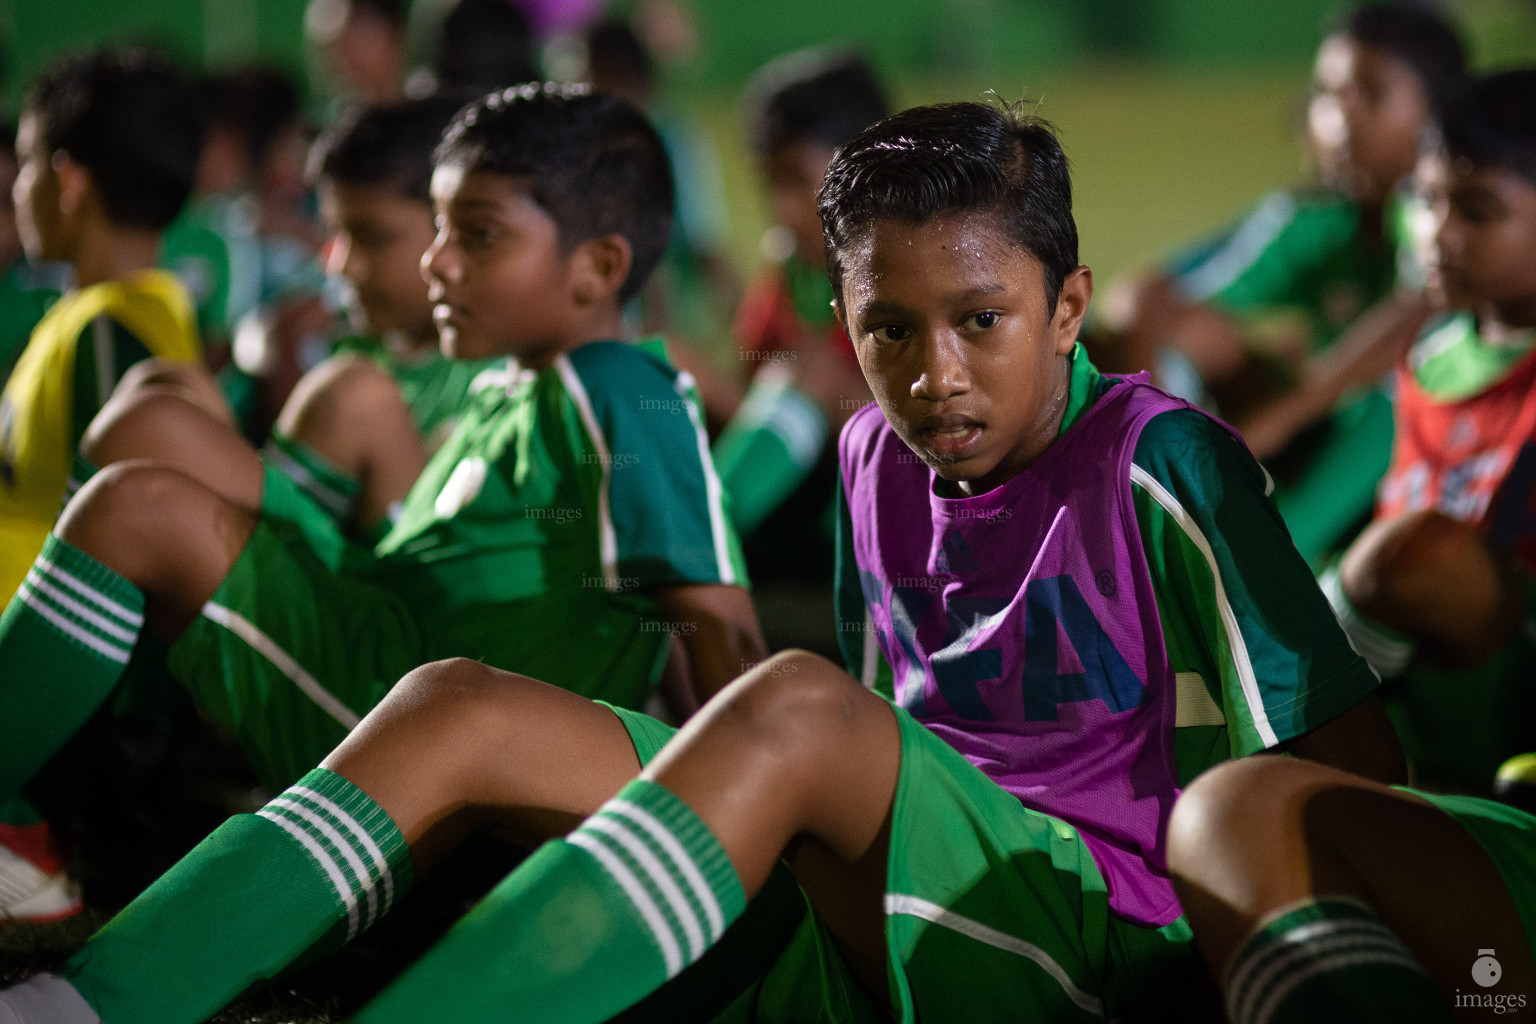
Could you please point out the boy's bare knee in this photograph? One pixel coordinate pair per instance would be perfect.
(797, 698)
(337, 391)
(139, 423)
(1393, 559)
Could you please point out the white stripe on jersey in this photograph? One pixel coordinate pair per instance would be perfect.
(607, 538)
(718, 527)
(1235, 641)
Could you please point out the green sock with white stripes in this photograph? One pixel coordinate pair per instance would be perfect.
(586, 926)
(303, 875)
(65, 640)
(1328, 959)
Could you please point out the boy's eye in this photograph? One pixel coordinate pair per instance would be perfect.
(985, 320)
(891, 332)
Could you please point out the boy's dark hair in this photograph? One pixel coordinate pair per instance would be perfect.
(131, 120)
(812, 96)
(1415, 34)
(955, 158)
(1493, 123)
(256, 103)
(590, 161)
(388, 145)
(485, 45)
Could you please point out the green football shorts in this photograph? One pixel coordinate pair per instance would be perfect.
(1508, 836)
(991, 909)
(288, 654)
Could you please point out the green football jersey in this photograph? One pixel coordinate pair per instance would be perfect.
(539, 533)
(434, 387)
(1303, 257)
(1257, 655)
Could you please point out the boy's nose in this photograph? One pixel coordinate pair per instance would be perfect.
(943, 373)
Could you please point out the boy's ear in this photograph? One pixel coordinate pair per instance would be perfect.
(75, 185)
(1071, 308)
(600, 266)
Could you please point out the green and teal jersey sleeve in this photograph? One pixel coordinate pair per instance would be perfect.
(1302, 254)
(105, 351)
(1257, 654)
(646, 445)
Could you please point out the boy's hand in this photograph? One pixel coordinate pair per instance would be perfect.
(717, 625)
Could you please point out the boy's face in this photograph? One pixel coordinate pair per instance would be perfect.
(378, 239)
(496, 274)
(36, 195)
(1367, 110)
(794, 174)
(950, 323)
(1484, 252)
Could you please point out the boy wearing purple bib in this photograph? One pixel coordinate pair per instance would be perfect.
(1074, 587)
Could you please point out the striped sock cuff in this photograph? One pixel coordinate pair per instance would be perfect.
(670, 866)
(351, 839)
(1387, 651)
(1302, 941)
(84, 601)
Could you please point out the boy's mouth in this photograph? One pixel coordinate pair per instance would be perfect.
(950, 437)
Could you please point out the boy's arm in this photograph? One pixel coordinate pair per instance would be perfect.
(666, 509)
(719, 632)
(1240, 607)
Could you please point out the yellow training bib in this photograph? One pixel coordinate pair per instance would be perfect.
(37, 407)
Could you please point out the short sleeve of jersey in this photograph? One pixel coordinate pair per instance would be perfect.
(105, 351)
(1238, 604)
(1269, 256)
(664, 506)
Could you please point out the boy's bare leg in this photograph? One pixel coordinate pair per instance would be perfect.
(793, 755)
(159, 423)
(1253, 836)
(168, 535)
(193, 383)
(1433, 578)
(351, 412)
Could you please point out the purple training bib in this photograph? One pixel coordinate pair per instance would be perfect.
(1022, 629)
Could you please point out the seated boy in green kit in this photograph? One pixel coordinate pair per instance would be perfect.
(1437, 591)
(358, 429)
(570, 526)
(1037, 555)
(108, 148)
(1254, 320)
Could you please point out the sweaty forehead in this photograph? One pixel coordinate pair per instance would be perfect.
(964, 249)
